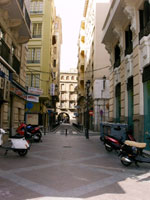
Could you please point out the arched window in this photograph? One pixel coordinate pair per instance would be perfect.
(62, 77)
(67, 78)
(72, 77)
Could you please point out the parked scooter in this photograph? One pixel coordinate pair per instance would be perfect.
(132, 152)
(30, 132)
(16, 144)
(115, 142)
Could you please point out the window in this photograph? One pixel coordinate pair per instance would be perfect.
(71, 87)
(72, 77)
(54, 39)
(54, 63)
(33, 55)
(67, 78)
(117, 56)
(144, 18)
(128, 41)
(36, 6)
(55, 50)
(62, 87)
(33, 80)
(62, 77)
(36, 30)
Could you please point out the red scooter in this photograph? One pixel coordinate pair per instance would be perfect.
(115, 142)
(30, 132)
(114, 134)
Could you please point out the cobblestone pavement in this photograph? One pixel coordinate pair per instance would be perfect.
(70, 167)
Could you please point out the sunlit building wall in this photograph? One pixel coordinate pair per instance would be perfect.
(126, 35)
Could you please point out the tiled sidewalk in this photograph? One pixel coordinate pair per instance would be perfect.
(70, 167)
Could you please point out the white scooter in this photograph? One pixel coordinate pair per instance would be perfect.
(16, 144)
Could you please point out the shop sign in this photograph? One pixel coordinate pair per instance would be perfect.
(91, 112)
(36, 91)
(17, 91)
(32, 119)
(32, 98)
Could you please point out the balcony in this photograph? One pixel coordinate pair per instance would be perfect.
(11, 60)
(5, 51)
(18, 18)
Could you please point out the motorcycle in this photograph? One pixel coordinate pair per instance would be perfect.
(15, 143)
(31, 133)
(115, 142)
(113, 135)
(132, 152)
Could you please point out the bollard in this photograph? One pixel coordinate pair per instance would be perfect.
(66, 132)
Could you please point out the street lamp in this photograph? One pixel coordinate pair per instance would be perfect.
(87, 109)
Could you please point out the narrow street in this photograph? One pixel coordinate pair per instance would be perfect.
(71, 167)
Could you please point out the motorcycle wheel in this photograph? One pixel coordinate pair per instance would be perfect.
(38, 137)
(125, 163)
(109, 149)
(22, 152)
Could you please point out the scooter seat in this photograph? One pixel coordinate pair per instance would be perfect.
(135, 144)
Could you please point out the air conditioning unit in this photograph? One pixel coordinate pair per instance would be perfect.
(6, 93)
(1, 83)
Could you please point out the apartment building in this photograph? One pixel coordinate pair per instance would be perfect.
(66, 108)
(93, 64)
(14, 34)
(40, 67)
(126, 35)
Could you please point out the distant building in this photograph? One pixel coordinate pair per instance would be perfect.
(66, 108)
(93, 64)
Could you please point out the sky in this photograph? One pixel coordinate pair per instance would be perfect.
(71, 13)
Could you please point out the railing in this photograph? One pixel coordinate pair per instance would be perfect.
(33, 61)
(16, 64)
(145, 31)
(36, 36)
(21, 2)
(4, 51)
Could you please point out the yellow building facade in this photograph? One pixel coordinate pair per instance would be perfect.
(39, 59)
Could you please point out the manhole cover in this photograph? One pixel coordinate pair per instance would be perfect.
(67, 146)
